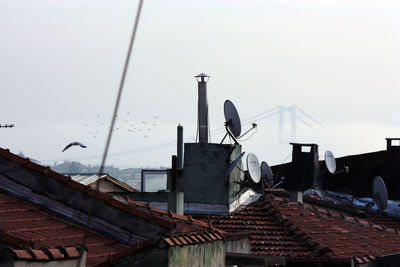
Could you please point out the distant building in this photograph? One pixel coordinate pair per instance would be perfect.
(106, 183)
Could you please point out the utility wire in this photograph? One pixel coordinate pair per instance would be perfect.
(121, 86)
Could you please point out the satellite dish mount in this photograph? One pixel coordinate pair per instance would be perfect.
(233, 125)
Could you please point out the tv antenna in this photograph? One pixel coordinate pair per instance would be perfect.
(233, 125)
(379, 193)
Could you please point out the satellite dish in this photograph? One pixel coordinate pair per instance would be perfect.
(330, 162)
(235, 163)
(379, 193)
(253, 167)
(266, 174)
(232, 118)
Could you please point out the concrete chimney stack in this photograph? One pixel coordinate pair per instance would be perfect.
(202, 114)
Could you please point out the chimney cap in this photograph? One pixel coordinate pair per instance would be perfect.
(302, 144)
(202, 77)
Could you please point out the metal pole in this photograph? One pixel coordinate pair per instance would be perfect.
(180, 147)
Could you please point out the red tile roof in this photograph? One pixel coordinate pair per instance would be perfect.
(299, 231)
(45, 254)
(269, 233)
(165, 219)
(191, 238)
(25, 224)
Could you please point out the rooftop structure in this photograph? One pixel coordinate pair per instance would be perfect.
(42, 208)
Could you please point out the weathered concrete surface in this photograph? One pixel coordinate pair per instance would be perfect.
(205, 178)
(206, 254)
(238, 246)
(147, 258)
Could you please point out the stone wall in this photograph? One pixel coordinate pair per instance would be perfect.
(210, 254)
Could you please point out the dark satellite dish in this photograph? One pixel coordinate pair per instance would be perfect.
(232, 119)
(266, 175)
(330, 162)
(234, 164)
(379, 193)
(233, 125)
(253, 167)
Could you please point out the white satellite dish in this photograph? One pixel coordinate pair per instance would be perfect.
(232, 118)
(266, 174)
(379, 193)
(330, 162)
(235, 163)
(253, 167)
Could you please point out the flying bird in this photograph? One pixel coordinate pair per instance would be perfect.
(74, 144)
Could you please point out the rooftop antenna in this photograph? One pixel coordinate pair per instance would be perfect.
(379, 193)
(233, 125)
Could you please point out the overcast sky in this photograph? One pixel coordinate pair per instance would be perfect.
(61, 63)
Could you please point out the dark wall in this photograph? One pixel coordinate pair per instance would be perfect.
(148, 258)
(362, 170)
(205, 178)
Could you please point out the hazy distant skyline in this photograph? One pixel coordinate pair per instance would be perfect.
(61, 61)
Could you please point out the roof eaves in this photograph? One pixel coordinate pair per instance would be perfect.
(13, 240)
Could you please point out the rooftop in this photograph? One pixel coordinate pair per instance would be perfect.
(42, 208)
(26, 225)
(304, 232)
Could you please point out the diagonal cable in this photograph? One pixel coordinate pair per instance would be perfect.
(121, 86)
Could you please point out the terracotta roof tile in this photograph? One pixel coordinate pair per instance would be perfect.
(22, 254)
(182, 240)
(25, 226)
(45, 254)
(72, 252)
(40, 254)
(176, 241)
(56, 253)
(169, 241)
(278, 228)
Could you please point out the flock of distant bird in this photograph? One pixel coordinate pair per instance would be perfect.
(144, 127)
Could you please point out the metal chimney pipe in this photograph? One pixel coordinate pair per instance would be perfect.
(179, 152)
(202, 107)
